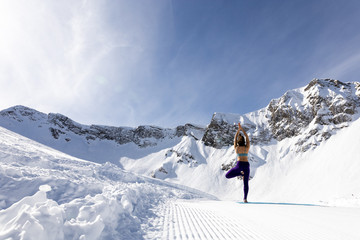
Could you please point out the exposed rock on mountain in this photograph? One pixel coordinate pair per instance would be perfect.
(60, 126)
(309, 115)
(302, 113)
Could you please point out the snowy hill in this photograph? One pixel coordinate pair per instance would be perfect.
(328, 173)
(47, 194)
(96, 143)
(290, 129)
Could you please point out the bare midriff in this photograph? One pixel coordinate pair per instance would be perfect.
(243, 159)
(242, 150)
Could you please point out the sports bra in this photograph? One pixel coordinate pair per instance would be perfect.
(242, 154)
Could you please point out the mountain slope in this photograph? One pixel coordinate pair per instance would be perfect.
(328, 173)
(46, 194)
(311, 114)
(96, 143)
(287, 130)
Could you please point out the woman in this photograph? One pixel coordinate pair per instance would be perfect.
(242, 167)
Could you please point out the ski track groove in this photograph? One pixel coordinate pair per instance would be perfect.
(224, 220)
(214, 224)
(200, 234)
(166, 224)
(208, 224)
(202, 222)
(181, 232)
(192, 222)
(239, 229)
(185, 223)
(203, 233)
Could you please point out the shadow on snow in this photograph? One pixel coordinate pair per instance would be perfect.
(283, 204)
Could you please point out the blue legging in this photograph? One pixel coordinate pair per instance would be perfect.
(236, 171)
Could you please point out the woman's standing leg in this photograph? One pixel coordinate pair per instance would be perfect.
(246, 180)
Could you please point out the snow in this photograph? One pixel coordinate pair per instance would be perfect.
(35, 125)
(328, 173)
(258, 220)
(175, 187)
(46, 194)
(42, 218)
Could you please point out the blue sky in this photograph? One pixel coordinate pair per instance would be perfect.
(166, 63)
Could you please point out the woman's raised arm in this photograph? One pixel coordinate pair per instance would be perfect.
(235, 139)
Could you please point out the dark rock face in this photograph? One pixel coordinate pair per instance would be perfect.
(143, 136)
(227, 166)
(56, 132)
(219, 133)
(181, 157)
(188, 130)
(285, 121)
(322, 102)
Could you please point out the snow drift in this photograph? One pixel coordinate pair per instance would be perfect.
(46, 194)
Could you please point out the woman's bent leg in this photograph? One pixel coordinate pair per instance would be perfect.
(234, 172)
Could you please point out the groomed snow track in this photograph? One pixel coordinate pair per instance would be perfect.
(260, 221)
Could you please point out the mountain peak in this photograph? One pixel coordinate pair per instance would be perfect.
(310, 114)
(19, 109)
(326, 83)
(19, 113)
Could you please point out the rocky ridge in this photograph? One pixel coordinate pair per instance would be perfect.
(312, 112)
(61, 127)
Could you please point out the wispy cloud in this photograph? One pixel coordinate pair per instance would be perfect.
(70, 57)
(344, 69)
(168, 62)
(44, 56)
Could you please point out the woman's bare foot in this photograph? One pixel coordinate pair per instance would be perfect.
(245, 201)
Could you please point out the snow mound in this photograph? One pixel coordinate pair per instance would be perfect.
(47, 194)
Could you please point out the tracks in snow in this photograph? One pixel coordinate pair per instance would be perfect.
(188, 220)
(229, 220)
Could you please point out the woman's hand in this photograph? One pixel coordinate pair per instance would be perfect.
(240, 128)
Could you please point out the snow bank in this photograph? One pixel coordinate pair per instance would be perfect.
(46, 194)
(117, 213)
(33, 216)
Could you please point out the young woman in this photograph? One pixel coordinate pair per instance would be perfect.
(242, 167)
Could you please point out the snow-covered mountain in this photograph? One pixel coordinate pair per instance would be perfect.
(311, 114)
(289, 128)
(96, 143)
